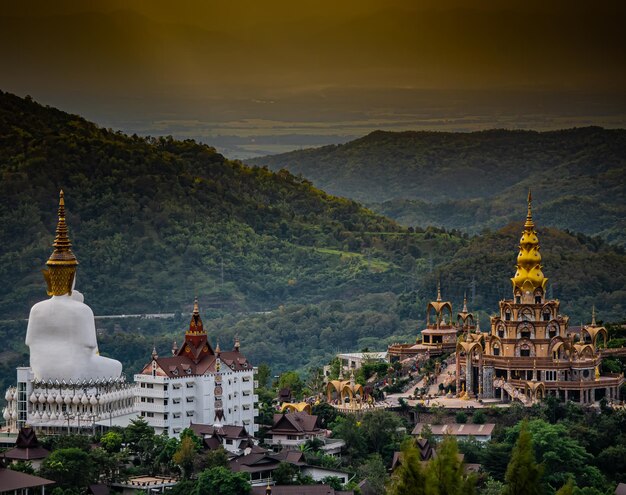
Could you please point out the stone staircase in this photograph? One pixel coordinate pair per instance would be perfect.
(502, 383)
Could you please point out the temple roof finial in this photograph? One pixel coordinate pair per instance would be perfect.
(196, 310)
(593, 315)
(217, 347)
(529, 276)
(529, 225)
(439, 291)
(465, 302)
(154, 352)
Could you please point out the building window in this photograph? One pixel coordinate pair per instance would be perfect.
(190, 414)
(507, 315)
(524, 351)
(189, 399)
(496, 350)
(537, 299)
(229, 442)
(165, 416)
(189, 385)
(143, 385)
(149, 385)
(176, 401)
(143, 399)
(176, 415)
(150, 414)
(150, 400)
(165, 402)
(176, 386)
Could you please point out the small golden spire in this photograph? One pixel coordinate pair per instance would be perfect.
(174, 348)
(439, 291)
(62, 262)
(593, 315)
(154, 352)
(268, 489)
(196, 310)
(529, 225)
(217, 348)
(465, 302)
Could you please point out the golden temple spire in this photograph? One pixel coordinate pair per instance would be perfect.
(529, 276)
(62, 262)
(529, 225)
(196, 311)
(465, 302)
(439, 291)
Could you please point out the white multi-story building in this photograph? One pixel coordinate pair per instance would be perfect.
(197, 385)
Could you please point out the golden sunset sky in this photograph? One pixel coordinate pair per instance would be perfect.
(209, 68)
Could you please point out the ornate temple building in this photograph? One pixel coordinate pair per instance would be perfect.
(529, 350)
(440, 335)
(197, 384)
(68, 385)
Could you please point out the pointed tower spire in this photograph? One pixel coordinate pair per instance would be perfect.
(174, 348)
(154, 352)
(217, 347)
(62, 262)
(529, 225)
(237, 344)
(196, 311)
(439, 291)
(529, 276)
(465, 302)
(593, 315)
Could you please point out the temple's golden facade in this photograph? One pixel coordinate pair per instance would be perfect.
(530, 350)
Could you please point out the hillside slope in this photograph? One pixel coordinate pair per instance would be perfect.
(156, 221)
(471, 181)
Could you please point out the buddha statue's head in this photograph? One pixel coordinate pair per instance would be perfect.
(62, 262)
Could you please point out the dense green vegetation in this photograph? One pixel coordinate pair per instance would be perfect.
(471, 181)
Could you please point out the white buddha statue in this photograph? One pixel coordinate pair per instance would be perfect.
(61, 330)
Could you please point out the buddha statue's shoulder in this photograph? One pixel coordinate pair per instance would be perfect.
(61, 305)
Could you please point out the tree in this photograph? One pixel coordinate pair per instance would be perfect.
(333, 482)
(381, 431)
(523, 474)
(185, 455)
(444, 474)
(286, 474)
(408, 478)
(479, 418)
(105, 464)
(210, 459)
(112, 441)
(461, 417)
(347, 428)
(326, 414)
(292, 381)
(373, 470)
(492, 487)
(22, 467)
(221, 481)
(263, 375)
(70, 468)
(567, 488)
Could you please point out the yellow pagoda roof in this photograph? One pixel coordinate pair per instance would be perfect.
(529, 275)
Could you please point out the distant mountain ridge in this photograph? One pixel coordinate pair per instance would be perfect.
(472, 181)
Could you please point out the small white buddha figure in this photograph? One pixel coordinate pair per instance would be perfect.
(61, 331)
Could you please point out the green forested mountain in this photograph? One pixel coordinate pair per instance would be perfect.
(472, 181)
(296, 273)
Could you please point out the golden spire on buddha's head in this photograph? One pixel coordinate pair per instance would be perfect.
(62, 262)
(529, 276)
